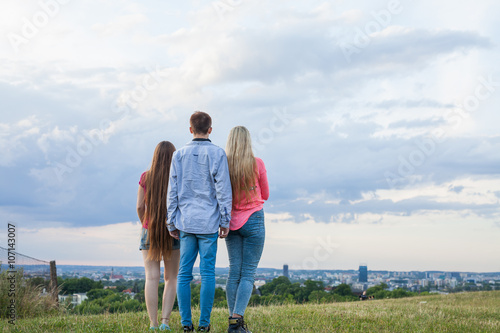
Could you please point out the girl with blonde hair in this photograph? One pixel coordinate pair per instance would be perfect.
(245, 240)
(156, 242)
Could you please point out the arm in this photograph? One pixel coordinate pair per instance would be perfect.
(223, 193)
(141, 205)
(172, 199)
(264, 185)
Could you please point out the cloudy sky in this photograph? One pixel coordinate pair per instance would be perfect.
(377, 122)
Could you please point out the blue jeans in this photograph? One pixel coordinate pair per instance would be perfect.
(244, 247)
(191, 245)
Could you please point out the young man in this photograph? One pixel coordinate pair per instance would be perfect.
(199, 204)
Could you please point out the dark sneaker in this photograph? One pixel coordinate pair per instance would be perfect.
(189, 328)
(237, 325)
(204, 328)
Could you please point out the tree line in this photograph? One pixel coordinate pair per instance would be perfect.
(276, 292)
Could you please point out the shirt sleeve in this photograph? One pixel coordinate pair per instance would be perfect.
(223, 190)
(142, 181)
(172, 195)
(264, 185)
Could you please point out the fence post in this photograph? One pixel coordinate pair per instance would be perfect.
(53, 281)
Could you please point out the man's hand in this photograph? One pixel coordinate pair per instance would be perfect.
(223, 232)
(174, 234)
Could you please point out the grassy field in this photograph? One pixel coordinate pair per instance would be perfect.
(469, 312)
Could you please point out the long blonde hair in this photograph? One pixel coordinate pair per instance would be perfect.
(156, 201)
(241, 161)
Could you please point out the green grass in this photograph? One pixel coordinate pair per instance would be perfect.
(469, 312)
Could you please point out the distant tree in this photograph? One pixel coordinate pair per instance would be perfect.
(278, 286)
(375, 289)
(195, 293)
(89, 308)
(39, 282)
(254, 300)
(381, 294)
(82, 285)
(314, 285)
(98, 293)
(220, 298)
(121, 287)
(320, 296)
(98, 285)
(140, 296)
(343, 290)
(400, 293)
(135, 288)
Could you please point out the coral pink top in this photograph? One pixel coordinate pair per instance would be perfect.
(142, 183)
(242, 210)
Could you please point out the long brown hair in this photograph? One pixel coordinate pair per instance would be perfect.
(156, 181)
(241, 162)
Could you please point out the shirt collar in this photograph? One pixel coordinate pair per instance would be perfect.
(200, 139)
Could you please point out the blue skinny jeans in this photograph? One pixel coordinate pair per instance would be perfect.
(244, 247)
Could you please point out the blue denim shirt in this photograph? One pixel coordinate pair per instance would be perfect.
(199, 197)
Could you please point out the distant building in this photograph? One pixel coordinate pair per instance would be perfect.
(63, 298)
(259, 283)
(285, 271)
(129, 293)
(77, 299)
(363, 273)
(113, 277)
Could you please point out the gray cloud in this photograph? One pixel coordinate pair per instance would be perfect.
(456, 189)
(329, 148)
(407, 104)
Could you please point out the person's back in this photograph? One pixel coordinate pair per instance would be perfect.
(156, 243)
(199, 203)
(196, 167)
(245, 241)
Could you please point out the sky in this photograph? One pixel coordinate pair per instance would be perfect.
(377, 122)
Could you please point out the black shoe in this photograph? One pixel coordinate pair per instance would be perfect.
(204, 328)
(237, 325)
(189, 328)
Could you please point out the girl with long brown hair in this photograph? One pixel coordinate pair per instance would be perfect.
(156, 242)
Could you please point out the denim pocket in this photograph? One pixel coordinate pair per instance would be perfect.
(255, 223)
(144, 240)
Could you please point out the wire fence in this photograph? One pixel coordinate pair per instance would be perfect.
(32, 267)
